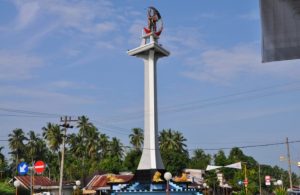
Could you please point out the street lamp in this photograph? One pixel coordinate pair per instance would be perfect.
(77, 183)
(76, 188)
(279, 182)
(17, 184)
(168, 177)
(205, 186)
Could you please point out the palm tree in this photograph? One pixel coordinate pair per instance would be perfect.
(166, 140)
(84, 125)
(92, 143)
(76, 145)
(200, 160)
(172, 140)
(137, 138)
(179, 141)
(37, 147)
(2, 157)
(52, 133)
(103, 145)
(54, 136)
(116, 148)
(32, 144)
(16, 143)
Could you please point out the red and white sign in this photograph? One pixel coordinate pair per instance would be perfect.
(39, 167)
(246, 182)
(268, 180)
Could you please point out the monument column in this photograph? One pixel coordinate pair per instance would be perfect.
(150, 51)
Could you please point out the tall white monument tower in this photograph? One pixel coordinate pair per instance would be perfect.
(150, 51)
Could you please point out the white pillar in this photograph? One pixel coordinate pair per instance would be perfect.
(150, 53)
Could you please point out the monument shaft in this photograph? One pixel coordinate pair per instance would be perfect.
(150, 53)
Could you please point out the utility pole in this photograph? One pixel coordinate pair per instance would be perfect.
(65, 120)
(289, 162)
(259, 180)
(246, 179)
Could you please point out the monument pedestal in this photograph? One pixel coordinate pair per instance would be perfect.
(146, 176)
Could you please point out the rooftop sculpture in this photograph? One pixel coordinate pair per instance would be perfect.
(155, 23)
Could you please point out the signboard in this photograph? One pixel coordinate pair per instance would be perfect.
(22, 168)
(39, 167)
(268, 180)
(298, 164)
(246, 182)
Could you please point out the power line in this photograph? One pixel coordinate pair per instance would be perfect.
(28, 112)
(214, 101)
(253, 146)
(226, 148)
(229, 148)
(30, 116)
(177, 108)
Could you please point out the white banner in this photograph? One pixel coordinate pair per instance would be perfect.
(237, 165)
(212, 167)
(280, 29)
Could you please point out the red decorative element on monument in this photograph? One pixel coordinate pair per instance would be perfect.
(155, 23)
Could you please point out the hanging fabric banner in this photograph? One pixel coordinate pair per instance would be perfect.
(237, 165)
(280, 21)
(212, 167)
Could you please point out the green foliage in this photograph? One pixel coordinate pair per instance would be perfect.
(200, 160)
(280, 191)
(111, 164)
(6, 189)
(89, 151)
(132, 160)
(175, 161)
(173, 151)
(220, 158)
(137, 138)
(211, 179)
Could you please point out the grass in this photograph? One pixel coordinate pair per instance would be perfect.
(6, 189)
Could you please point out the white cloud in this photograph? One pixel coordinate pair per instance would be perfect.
(43, 96)
(17, 65)
(27, 13)
(225, 65)
(183, 41)
(63, 84)
(79, 15)
(136, 30)
(105, 27)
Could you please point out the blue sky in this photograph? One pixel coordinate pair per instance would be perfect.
(68, 57)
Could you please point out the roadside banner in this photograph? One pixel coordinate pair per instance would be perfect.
(237, 165)
(212, 167)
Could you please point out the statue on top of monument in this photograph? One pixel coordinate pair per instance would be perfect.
(155, 23)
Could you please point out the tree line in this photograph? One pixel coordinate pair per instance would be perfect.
(89, 152)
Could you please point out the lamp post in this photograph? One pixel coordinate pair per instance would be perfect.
(279, 183)
(298, 165)
(205, 187)
(168, 177)
(17, 184)
(76, 188)
(246, 179)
